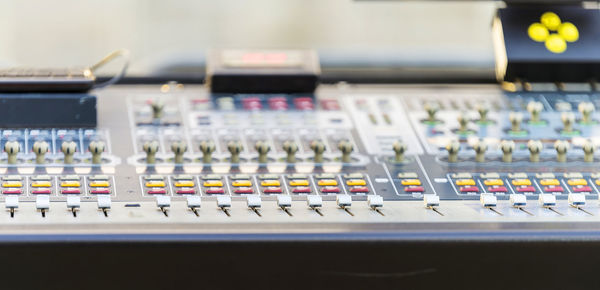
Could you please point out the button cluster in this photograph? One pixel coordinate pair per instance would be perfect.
(411, 183)
(49, 185)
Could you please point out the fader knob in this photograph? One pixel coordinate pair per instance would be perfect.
(535, 147)
(431, 108)
(507, 147)
(235, 148)
(151, 147)
(263, 149)
(12, 148)
(97, 148)
(588, 151)
(480, 147)
(515, 119)
(463, 122)
(561, 148)
(207, 148)
(290, 148)
(567, 118)
(318, 148)
(453, 147)
(586, 109)
(483, 109)
(399, 148)
(68, 148)
(346, 148)
(179, 148)
(40, 148)
(535, 108)
(158, 107)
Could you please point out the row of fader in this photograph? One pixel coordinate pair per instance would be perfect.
(42, 204)
(40, 148)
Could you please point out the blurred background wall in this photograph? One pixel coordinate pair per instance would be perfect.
(163, 34)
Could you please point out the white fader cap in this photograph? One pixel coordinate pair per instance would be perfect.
(284, 200)
(547, 199)
(344, 200)
(518, 200)
(488, 200)
(576, 199)
(431, 200)
(253, 201)
(314, 201)
(223, 201)
(375, 201)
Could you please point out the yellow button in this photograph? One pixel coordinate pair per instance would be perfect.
(39, 184)
(491, 182)
(327, 182)
(184, 184)
(577, 181)
(597, 181)
(70, 184)
(155, 184)
(299, 182)
(356, 182)
(270, 183)
(462, 182)
(213, 183)
(519, 182)
(104, 184)
(12, 184)
(240, 183)
(549, 182)
(407, 182)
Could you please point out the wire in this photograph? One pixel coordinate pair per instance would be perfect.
(124, 53)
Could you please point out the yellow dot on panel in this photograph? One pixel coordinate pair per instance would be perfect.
(550, 20)
(556, 44)
(538, 32)
(568, 32)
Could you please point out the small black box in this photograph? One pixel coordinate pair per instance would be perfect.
(262, 71)
(47, 110)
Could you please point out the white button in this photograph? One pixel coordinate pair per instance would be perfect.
(431, 200)
(224, 201)
(73, 202)
(284, 200)
(488, 200)
(343, 200)
(12, 201)
(163, 201)
(104, 201)
(375, 201)
(253, 201)
(547, 199)
(518, 200)
(314, 200)
(194, 201)
(576, 199)
(42, 201)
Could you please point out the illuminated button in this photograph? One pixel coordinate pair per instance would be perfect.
(356, 182)
(526, 189)
(244, 190)
(268, 177)
(266, 183)
(149, 184)
(157, 191)
(42, 178)
(215, 191)
(327, 182)
(553, 189)
(359, 189)
(184, 184)
(546, 182)
(213, 183)
(211, 177)
(104, 184)
(325, 176)
(13, 184)
(492, 182)
(100, 191)
(70, 178)
(12, 178)
(183, 177)
(578, 181)
(301, 189)
(414, 189)
(272, 190)
(497, 189)
(41, 184)
(407, 182)
(241, 183)
(582, 189)
(469, 189)
(154, 177)
(330, 189)
(98, 177)
(462, 182)
(300, 182)
(41, 191)
(519, 182)
(185, 191)
(70, 184)
(354, 176)
(412, 175)
(71, 191)
(12, 191)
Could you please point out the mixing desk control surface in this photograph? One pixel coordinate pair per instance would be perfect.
(396, 159)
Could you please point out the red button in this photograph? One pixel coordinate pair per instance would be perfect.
(103, 191)
(278, 103)
(41, 191)
(414, 189)
(185, 191)
(304, 103)
(246, 190)
(582, 189)
(12, 191)
(330, 104)
(554, 189)
(272, 190)
(70, 191)
(157, 191)
(215, 191)
(526, 189)
(301, 189)
(330, 189)
(251, 103)
(359, 189)
(497, 189)
(469, 189)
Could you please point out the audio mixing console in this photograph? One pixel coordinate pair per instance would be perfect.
(396, 159)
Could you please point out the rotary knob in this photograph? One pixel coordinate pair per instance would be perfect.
(40, 148)
(535, 108)
(290, 149)
(586, 109)
(318, 148)
(507, 147)
(431, 108)
(483, 109)
(535, 147)
(453, 147)
(515, 119)
(561, 148)
(178, 148)
(158, 108)
(463, 122)
(97, 148)
(207, 147)
(346, 148)
(68, 148)
(151, 148)
(480, 147)
(12, 148)
(588, 151)
(263, 149)
(567, 118)
(399, 148)
(235, 147)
